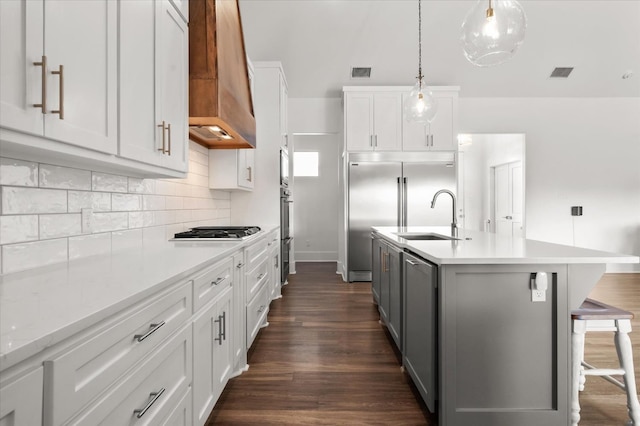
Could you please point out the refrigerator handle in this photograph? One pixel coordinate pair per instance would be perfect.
(400, 202)
(404, 202)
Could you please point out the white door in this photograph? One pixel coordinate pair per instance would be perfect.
(508, 196)
(81, 37)
(174, 80)
(359, 121)
(139, 111)
(387, 122)
(21, 26)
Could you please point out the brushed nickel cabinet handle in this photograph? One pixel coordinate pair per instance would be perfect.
(169, 140)
(239, 265)
(218, 281)
(153, 397)
(411, 262)
(153, 329)
(164, 138)
(219, 338)
(260, 277)
(224, 325)
(60, 110)
(43, 104)
(249, 169)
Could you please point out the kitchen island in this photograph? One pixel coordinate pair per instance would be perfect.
(486, 326)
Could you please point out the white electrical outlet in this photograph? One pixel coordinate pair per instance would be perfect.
(87, 221)
(538, 296)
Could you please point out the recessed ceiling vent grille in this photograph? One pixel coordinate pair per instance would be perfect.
(560, 72)
(361, 72)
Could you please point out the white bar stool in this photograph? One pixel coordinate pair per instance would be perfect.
(597, 316)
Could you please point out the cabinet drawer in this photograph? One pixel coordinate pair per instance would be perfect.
(255, 253)
(257, 277)
(106, 352)
(21, 400)
(158, 385)
(257, 311)
(181, 415)
(211, 282)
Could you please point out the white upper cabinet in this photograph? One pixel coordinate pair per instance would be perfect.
(59, 75)
(21, 46)
(441, 134)
(284, 105)
(232, 169)
(373, 121)
(153, 84)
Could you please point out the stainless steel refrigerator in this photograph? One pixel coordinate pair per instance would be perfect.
(393, 193)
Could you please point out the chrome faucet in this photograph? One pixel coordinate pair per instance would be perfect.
(454, 223)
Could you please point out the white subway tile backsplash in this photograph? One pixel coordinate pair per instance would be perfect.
(126, 240)
(18, 172)
(60, 225)
(17, 229)
(153, 202)
(41, 204)
(109, 183)
(33, 200)
(142, 186)
(18, 257)
(89, 245)
(98, 201)
(63, 177)
(126, 202)
(105, 222)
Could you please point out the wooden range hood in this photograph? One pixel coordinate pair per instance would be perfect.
(220, 105)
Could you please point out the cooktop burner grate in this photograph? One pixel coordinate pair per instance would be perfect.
(227, 232)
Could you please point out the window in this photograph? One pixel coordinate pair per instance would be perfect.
(305, 164)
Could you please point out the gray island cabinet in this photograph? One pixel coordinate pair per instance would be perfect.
(486, 322)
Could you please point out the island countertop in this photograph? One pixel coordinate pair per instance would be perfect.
(475, 247)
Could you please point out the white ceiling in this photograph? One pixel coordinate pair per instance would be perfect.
(318, 41)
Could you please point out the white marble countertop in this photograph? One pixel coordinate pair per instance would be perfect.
(41, 307)
(475, 247)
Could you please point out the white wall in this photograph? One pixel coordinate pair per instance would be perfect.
(316, 201)
(41, 210)
(579, 151)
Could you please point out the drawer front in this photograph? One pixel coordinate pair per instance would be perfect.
(272, 238)
(21, 402)
(255, 253)
(256, 278)
(257, 311)
(76, 377)
(210, 283)
(151, 393)
(181, 415)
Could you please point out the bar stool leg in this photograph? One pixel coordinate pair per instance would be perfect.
(577, 355)
(625, 355)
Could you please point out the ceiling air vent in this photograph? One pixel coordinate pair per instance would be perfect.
(560, 72)
(361, 72)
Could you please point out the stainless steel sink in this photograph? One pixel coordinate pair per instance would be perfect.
(423, 236)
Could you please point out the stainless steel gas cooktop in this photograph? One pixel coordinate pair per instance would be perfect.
(217, 233)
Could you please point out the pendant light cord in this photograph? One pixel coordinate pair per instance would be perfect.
(420, 76)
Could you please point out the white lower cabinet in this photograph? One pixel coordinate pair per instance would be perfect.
(273, 247)
(148, 394)
(161, 361)
(21, 400)
(211, 354)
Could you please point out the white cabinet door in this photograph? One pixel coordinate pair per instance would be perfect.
(284, 104)
(21, 24)
(212, 331)
(173, 75)
(359, 121)
(373, 121)
(153, 84)
(387, 122)
(437, 136)
(238, 350)
(21, 400)
(246, 168)
(139, 112)
(80, 42)
(232, 169)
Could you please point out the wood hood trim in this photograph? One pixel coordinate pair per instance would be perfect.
(219, 88)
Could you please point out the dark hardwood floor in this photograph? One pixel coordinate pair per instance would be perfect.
(325, 359)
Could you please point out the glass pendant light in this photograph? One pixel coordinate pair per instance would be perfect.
(420, 106)
(491, 35)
